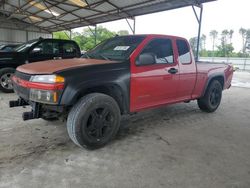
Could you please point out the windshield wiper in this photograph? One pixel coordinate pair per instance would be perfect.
(104, 57)
(86, 55)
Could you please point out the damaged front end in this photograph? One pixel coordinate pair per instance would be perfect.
(41, 92)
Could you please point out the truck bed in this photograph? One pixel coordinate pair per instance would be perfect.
(209, 69)
(206, 66)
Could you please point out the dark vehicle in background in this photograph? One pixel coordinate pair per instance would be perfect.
(8, 47)
(33, 51)
(122, 75)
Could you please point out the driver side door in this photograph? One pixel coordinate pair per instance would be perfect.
(154, 84)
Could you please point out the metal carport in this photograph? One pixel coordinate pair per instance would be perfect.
(50, 16)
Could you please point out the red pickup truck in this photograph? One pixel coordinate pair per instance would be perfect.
(122, 75)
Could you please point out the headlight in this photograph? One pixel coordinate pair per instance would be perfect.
(45, 96)
(46, 88)
(47, 79)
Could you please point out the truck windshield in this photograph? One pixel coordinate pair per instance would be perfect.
(25, 46)
(117, 48)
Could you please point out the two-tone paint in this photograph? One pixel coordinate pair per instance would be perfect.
(135, 88)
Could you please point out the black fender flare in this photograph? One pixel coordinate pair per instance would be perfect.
(73, 93)
(212, 77)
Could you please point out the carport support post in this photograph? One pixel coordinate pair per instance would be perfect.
(131, 28)
(27, 36)
(199, 19)
(134, 26)
(95, 35)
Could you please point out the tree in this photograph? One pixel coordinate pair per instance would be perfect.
(203, 51)
(61, 35)
(202, 46)
(203, 42)
(231, 32)
(247, 43)
(193, 44)
(243, 33)
(226, 48)
(213, 34)
(86, 39)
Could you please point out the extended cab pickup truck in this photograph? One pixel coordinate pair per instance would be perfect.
(33, 51)
(123, 75)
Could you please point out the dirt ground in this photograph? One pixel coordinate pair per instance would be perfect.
(175, 146)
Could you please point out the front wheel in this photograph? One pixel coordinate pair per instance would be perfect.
(94, 120)
(5, 80)
(212, 98)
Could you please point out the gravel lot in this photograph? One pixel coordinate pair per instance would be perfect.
(175, 146)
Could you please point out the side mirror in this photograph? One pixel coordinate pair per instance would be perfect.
(146, 59)
(36, 51)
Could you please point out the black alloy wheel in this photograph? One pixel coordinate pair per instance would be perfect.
(94, 120)
(212, 98)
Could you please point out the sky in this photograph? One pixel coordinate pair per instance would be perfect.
(218, 15)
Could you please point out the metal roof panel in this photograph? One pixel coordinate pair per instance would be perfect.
(97, 11)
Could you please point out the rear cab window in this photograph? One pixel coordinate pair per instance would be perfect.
(183, 51)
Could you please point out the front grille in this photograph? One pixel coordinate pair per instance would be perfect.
(23, 76)
(19, 90)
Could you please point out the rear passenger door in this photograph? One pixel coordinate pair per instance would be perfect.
(154, 84)
(44, 50)
(70, 50)
(187, 70)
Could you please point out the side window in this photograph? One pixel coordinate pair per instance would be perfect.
(184, 52)
(161, 49)
(69, 48)
(46, 47)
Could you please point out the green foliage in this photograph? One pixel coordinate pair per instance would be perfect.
(202, 47)
(193, 44)
(86, 39)
(245, 34)
(225, 50)
(61, 35)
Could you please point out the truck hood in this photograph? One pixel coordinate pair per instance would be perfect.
(52, 66)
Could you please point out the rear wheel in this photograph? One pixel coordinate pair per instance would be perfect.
(212, 98)
(94, 121)
(5, 80)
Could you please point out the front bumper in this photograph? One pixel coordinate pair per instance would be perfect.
(35, 112)
(39, 110)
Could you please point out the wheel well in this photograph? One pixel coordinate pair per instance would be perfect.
(220, 79)
(112, 90)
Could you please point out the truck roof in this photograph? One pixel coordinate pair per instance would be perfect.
(155, 35)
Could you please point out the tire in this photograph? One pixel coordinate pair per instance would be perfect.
(94, 121)
(212, 98)
(5, 80)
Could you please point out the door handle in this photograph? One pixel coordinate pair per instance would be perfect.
(173, 71)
